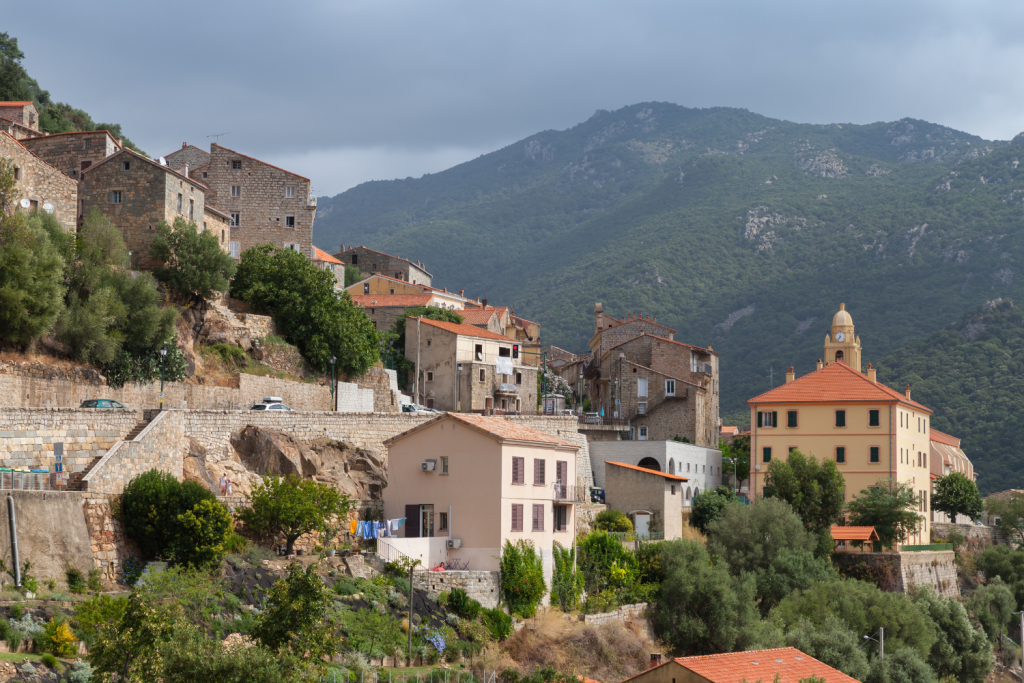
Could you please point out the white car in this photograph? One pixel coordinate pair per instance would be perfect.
(414, 409)
(271, 403)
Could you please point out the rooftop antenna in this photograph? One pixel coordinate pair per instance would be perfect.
(771, 378)
(218, 136)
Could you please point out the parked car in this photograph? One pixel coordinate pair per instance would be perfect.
(415, 409)
(271, 403)
(103, 403)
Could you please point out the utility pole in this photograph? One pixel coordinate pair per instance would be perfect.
(412, 604)
(1021, 613)
(881, 643)
(416, 382)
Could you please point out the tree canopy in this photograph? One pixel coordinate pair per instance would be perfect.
(292, 506)
(708, 506)
(955, 494)
(193, 263)
(889, 506)
(814, 488)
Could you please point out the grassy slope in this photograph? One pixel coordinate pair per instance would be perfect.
(608, 211)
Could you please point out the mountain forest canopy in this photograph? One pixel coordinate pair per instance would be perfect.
(735, 229)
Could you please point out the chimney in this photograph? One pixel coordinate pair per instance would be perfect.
(485, 303)
(462, 292)
(908, 389)
(790, 376)
(655, 660)
(872, 374)
(184, 145)
(819, 364)
(186, 170)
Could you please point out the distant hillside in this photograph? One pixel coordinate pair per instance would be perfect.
(971, 373)
(738, 230)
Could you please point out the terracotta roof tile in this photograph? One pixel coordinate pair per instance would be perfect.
(465, 330)
(15, 104)
(854, 533)
(666, 475)
(390, 300)
(790, 664)
(495, 426)
(476, 316)
(322, 255)
(942, 437)
(834, 383)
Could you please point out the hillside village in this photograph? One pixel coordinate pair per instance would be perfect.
(454, 491)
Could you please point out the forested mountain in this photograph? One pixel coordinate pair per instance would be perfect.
(738, 230)
(971, 373)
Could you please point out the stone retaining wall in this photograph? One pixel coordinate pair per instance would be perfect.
(481, 586)
(899, 572)
(161, 446)
(991, 534)
(28, 436)
(622, 614)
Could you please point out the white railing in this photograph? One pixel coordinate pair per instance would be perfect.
(486, 358)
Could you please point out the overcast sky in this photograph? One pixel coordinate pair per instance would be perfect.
(345, 92)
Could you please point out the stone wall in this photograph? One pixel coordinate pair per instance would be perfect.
(379, 381)
(262, 204)
(991, 534)
(26, 114)
(40, 183)
(68, 151)
(370, 262)
(161, 446)
(622, 614)
(188, 155)
(481, 586)
(899, 572)
(28, 436)
(52, 531)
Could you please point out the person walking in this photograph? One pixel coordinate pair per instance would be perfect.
(223, 484)
(229, 486)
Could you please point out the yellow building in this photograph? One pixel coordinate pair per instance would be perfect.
(872, 432)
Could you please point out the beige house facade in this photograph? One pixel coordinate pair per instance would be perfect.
(482, 481)
(463, 368)
(39, 186)
(871, 432)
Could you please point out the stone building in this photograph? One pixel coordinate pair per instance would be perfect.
(39, 185)
(466, 369)
(74, 152)
(217, 222)
(188, 156)
(371, 262)
(648, 497)
(382, 284)
(267, 204)
(384, 309)
(22, 113)
(324, 261)
(137, 194)
(16, 130)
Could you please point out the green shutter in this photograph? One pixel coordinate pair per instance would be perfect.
(775, 418)
(759, 418)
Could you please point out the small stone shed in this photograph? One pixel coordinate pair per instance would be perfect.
(651, 498)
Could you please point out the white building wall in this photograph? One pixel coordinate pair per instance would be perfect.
(702, 466)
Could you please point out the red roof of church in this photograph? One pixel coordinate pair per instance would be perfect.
(835, 383)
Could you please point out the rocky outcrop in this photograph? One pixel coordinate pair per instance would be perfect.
(194, 466)
(360, 473)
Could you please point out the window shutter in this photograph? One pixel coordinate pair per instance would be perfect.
(538, 518)
(562, 471)
(518, 475)
(517, 517)
(412, 521)
(775, 418)
(538, 472)
(760, 419)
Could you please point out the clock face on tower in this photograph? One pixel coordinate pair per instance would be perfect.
(840, 337)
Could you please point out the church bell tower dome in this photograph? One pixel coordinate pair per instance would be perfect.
(842, 318)
(843, 345)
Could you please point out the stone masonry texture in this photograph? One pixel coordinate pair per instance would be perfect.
(160, 446)
(370, 262)
(28, 436)
(40, 183)
(188, 155)
(481, 586)
(71, 152)
(935, 568)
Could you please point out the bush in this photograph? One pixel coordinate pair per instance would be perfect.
(901, 666)
(292, 506)
(76, 580)
(59, 638)
(461, 604)
(95, 579)
(228, 354)
(345, 588)
(131, 570)
(566, 580)
(97, 611)
(201, 534)
(401, 585)
(612, 520)
(522, 577)
(235, 543)
(708, 506)
(442, 598)
(193, 263)
(81, 672)
(598, 553)
(50, 661)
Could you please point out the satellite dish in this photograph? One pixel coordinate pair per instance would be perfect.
(25, 203)
(48, 207)
(163, 162)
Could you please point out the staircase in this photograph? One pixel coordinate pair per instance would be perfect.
(76, 478)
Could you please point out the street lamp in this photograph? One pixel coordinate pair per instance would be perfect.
(334, 395)
(458, 388)
(163, 355)
(880, 640)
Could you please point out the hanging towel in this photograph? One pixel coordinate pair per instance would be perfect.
(359, 528)
(393, 524)
(401, 522)
(368, 531)
(352, 526)
(503, 365)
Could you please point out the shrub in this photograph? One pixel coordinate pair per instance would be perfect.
(81, 672)
(709, 505)
(228, 354)
(598, 553)
(522, 577)
(76, 580)
(193, 262)
(460, 603)
(401, 585)
(612, 520)
(150, 507)
(345, 588)
(499, 623)
(17, 611)
(59, 638)
(95, 579)
(566, 580)
(131, 570)
(201, 534)
(97, 611)
(50, 661)
(442, 598)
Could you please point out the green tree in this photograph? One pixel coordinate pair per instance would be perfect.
(193, 264)
(709, 505)
(130, 647)
(522, 577)
(955, 494)
(566, 579)
(1010, 512)
(598, 552)
(961, 649)
(372, 633)
(832, 643)
(814, 488)
(612, 519)
(890, 507)
(768, 541)
(296, 618)
(993, 605)
(1007, 564)
(352, 275)
(904, 665)
(14, 80)
(201, 534)
(292, 506)
(188, 655)
(31, 280)
(153, 506)
(320, 321)
(863, 608)
(701, 608)
(736, 456)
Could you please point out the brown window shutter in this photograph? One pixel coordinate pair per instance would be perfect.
(517, 517)
(412, 521)
(518, 473)
(538, 472)
(538, 518)
(562, 471)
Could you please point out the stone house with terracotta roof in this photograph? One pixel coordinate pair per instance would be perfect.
(468, 369)
(372, 262)
(38, 185)
(137, 194)
(481, 481)
(22, 113)
(650, 498)
(16, 130)
(267, 204)
(189, 156)
(324, 261)
(782, 665)
(74, 152)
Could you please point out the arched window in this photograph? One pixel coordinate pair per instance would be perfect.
(689, 491)
(650, 464)
(839, 356)
(671, 466)
(696, 491)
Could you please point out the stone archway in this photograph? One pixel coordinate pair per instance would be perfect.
(650, 463)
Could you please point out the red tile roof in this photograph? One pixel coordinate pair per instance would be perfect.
(465, 330)
(791, 666)
(476, 317)
(425, 288)
(727, 429)
(942, 437)
(499, 427)
(390, 300)
(322, 255)
(666, 475)
(854, 533)
(834, 383)
(15, 104)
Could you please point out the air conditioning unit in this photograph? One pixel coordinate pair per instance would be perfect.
(454, 543)
(428, 465)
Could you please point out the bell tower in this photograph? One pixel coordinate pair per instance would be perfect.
(843, 344)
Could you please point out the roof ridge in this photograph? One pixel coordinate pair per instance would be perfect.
(470, 330)
(260, 161)
(384, 253)
(649, 471)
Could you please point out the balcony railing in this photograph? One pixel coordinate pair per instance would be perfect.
(569, 493)
(311, 201)
(631, 536)
(598, 419)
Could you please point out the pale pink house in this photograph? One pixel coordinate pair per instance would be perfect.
(472, 482)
